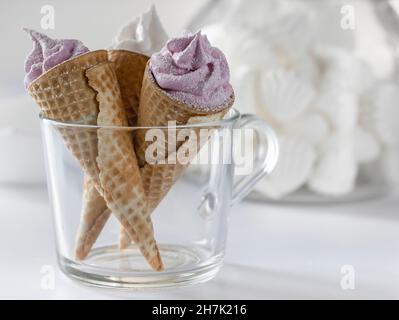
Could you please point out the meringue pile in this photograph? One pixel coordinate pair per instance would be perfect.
(332, 107)
(144, 34)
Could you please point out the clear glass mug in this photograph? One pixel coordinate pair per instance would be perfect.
(190, 224)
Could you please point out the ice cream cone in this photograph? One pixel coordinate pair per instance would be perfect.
(158, 179)
(129, 68)
(95, 214)
(119, 172)
(157, 108)
(63, 94)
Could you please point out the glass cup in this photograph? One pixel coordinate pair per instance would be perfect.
(190, 223)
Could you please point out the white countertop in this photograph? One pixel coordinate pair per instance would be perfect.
(273, 252)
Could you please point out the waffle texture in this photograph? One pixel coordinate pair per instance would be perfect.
(119, 172)
(157, 108)
(129, 69)
(159, 178)
(63, 94)
(95, 214)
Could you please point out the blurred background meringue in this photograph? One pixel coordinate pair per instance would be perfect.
(324, 75)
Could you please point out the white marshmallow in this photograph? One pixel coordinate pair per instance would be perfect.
(390, 165)
(293, 168)
(336, 171)
(311, 127)
(367, 147)
(387, 113)
(341, 108)
(283, 95)
(342, 71)
(245, 83)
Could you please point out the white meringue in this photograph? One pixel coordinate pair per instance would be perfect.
(292, 33)
(238, 11)
(293, 168)
(329, 16)
(342, 71)
(257, 52)
(336, 170)
(308, 70)
(216, 34)
(283, 95)
(311, 127)
(367, 147)
(390, 165)
(245, 83)
(143, 34)
(252, 50)
(382, 113)
(341, 108)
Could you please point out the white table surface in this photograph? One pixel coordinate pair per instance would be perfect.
(273, 252)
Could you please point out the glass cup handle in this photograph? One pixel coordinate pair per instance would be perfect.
(265, 156)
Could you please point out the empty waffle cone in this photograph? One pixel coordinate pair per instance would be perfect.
(63, 94)
(119, 172)
(129, 68)
(95, 214)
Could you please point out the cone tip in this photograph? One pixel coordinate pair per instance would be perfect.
(156, 263)
(80, 254)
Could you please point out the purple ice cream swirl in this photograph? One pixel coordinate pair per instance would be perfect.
(192, 71)
(48, 53)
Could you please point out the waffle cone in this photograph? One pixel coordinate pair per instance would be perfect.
(63, 94)
(157, 108)
(124, 239)
(159, 178)
(129, 69)
(95, 214)
(119, 172)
